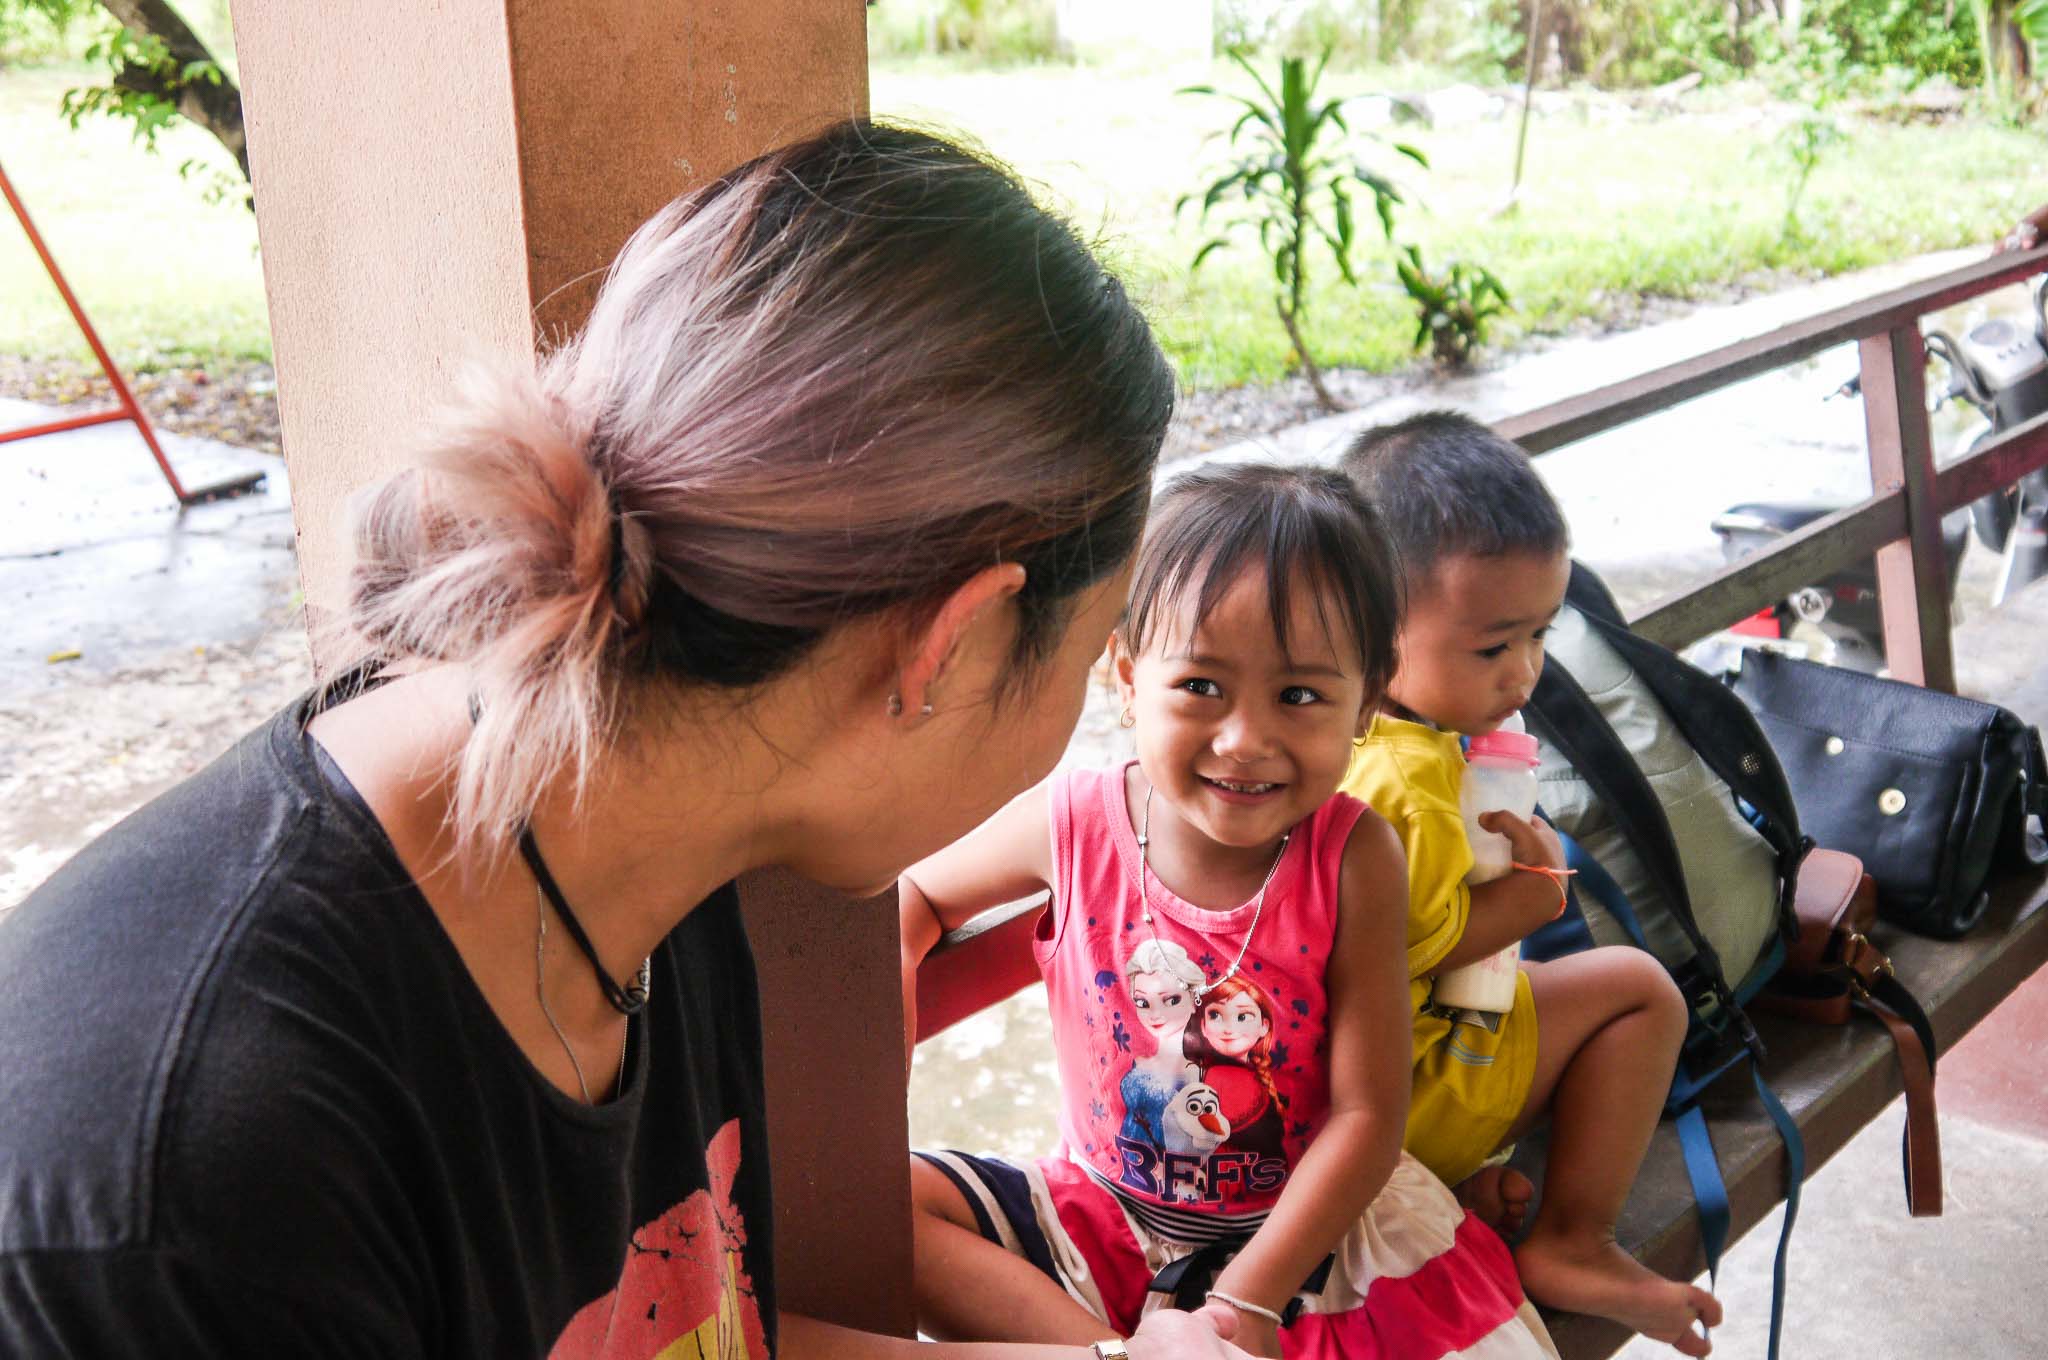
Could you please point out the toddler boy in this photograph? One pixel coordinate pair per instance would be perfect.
(1592, 1037)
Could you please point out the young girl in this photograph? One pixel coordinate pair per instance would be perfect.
(1265, 1175)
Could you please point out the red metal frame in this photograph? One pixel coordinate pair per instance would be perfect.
(126, 408)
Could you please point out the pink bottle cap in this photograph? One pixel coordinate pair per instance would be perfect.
(1503, 745)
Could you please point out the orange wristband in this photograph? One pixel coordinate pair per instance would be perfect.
(1557, 876)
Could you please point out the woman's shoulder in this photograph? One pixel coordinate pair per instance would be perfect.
(198, 952)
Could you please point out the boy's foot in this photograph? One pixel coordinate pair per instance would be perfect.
(1499, 1196)
(1594, 1275)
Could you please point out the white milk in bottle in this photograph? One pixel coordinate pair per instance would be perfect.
(1500, 775)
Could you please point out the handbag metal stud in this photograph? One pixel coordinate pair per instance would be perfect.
(1891, 802)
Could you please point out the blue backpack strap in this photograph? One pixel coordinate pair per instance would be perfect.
(1569, 933)
(1795, 1177)
(1695, 1143)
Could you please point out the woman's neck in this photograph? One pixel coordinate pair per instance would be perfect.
(649, 838)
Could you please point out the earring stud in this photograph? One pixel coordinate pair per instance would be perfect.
(895, 705)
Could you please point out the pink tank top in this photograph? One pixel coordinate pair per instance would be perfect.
(1195, 1118)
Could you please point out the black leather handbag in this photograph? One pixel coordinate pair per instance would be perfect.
(1931, 790)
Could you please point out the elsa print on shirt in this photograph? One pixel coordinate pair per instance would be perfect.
(1158, 977)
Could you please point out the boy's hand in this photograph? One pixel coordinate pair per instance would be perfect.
(1532, 838)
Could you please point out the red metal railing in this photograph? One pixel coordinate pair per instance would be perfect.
(125, 407)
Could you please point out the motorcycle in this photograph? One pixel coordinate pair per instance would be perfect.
(1999, 369)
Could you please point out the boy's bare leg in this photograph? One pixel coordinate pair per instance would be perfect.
(969, 1289)
(1609, 1023)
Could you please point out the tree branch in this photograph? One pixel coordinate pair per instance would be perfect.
(217, 108)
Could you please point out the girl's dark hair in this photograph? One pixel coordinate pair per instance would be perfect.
(1444, 484)
(1212, 525)
(830, 385)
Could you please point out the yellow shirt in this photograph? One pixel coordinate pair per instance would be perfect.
(1470, 1082)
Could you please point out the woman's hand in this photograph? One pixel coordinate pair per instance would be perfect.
(2027, 233)
(1206, 1334)
(1255, 1335)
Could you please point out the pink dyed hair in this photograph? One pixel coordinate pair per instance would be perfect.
(832, 384)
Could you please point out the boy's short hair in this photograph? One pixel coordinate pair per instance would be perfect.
(1444, 484)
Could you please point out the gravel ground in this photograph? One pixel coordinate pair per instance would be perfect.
(235, 403)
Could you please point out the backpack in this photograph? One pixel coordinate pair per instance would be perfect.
(1677, 816)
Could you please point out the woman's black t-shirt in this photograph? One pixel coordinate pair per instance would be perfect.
(251, 1102)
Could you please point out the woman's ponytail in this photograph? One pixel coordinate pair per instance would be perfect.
(505, 552)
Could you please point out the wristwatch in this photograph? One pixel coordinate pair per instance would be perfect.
(1112, 1349)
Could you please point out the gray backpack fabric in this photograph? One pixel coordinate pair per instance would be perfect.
(1730, 869)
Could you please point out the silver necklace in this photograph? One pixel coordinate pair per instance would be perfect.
(1145, 898)
(540, 993)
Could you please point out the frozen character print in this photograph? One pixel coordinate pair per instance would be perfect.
(1194, 1120)
(1230, 1039)
(1162, 981)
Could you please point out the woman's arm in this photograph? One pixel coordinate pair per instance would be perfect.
(1007, 857)
(2026, 233)
(1344, 1169)
(1164, 1335)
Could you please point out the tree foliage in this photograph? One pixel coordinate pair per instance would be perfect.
(158, 70)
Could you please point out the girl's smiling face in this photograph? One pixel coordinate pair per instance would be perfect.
(1160, 1001)
(1234, 1025)
(1241, 738)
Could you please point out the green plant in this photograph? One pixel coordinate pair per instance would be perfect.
(1805, 142)
(1293, 187)
(1454, 308)
(1813, 75)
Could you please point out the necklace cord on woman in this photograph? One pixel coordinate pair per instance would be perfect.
(626, 1000)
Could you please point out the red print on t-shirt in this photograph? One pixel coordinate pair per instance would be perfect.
(684, 1293)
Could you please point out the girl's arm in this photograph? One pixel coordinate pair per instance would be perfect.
(1007, 857)
(1370, 1062)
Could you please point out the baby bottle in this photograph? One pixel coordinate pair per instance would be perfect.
(1500, 774)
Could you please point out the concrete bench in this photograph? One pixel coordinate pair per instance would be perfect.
(1834, 1079)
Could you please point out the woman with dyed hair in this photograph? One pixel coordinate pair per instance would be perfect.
(423, 1023)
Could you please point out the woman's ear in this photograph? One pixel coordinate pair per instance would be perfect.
(937, 644)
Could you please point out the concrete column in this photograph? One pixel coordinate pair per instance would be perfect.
(443, 183)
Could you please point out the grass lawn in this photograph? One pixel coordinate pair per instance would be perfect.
(167, 278)
(1612, 209)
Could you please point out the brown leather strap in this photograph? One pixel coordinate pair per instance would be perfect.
(1835, 1008)
(1922, 1140)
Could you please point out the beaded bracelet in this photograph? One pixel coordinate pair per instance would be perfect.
(1244, 1307)
(1557, 876)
